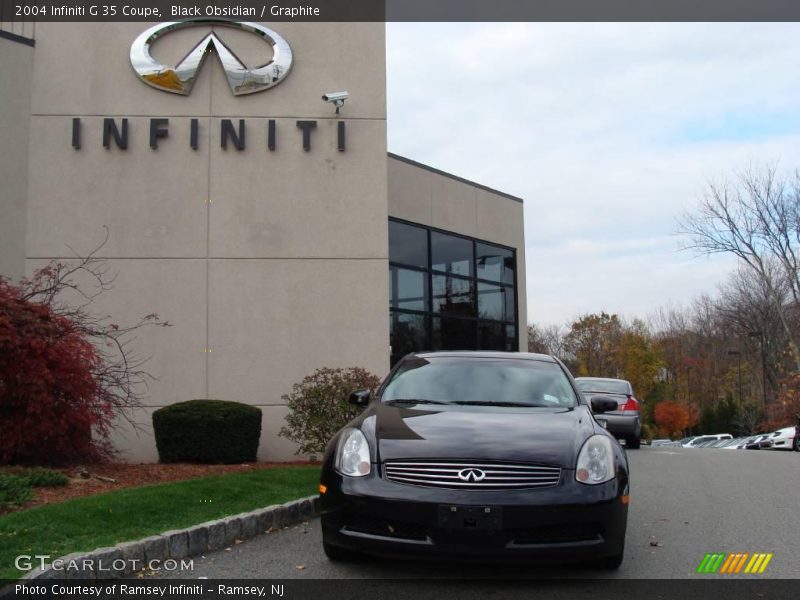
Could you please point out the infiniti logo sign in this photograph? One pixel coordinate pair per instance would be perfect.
(181, 78)
(471, 475)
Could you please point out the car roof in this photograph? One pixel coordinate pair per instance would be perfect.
(484, 354)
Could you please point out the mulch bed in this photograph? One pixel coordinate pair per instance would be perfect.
(132, 475)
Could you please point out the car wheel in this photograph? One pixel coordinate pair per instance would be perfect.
(612, 563)
(797, 444)
(633, 443)
(337, 553)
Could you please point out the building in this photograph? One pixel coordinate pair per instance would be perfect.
(263, 226)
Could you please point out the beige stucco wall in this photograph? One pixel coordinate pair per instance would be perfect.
(16, 62)
(430, 198)
(267, 264)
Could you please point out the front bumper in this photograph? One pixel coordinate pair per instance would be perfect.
(567, 522)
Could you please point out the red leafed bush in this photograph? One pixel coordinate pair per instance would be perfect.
(49, 401)
(66, 375)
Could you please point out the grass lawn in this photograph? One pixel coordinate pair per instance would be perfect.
(91, 522)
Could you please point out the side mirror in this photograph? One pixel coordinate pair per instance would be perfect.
(360, 397)
(601, 404)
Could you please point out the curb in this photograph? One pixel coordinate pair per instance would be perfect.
(120, 560)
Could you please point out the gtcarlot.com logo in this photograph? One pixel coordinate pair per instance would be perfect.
(27, 562)
(735, 563)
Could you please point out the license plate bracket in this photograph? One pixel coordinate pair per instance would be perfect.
(454, 517)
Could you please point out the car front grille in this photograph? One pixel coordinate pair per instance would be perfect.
(468, 475)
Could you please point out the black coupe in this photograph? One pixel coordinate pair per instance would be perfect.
(482, 455)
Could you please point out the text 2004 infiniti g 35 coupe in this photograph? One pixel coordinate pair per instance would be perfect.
(476, 455)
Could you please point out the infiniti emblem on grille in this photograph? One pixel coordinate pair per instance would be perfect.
(473, 475)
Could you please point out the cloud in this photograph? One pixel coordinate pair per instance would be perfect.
(608, 131)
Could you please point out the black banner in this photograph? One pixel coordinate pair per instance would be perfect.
(405, 10)
(353, 589)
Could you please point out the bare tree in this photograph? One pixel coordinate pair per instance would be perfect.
(120, 373)
(757, 219)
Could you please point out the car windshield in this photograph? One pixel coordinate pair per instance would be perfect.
(608, 386)
(481, 382)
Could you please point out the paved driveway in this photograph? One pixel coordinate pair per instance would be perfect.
(684, 503)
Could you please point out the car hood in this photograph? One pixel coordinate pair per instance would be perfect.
(545, 436)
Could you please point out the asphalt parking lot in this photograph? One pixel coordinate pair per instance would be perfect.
(684, 503)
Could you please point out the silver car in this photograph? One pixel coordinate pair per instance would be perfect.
(624, 422)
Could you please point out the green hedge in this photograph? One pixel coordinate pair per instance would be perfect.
(207, 431)
(16, 484)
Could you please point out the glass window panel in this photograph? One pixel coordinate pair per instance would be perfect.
(511, 338)
(491, 302)
(511, 302)
(494, 263)
(453, 334)
(451, 254)
(453, 296)
(409, 333)
(408, 289)
(408, 244)
(491, 336)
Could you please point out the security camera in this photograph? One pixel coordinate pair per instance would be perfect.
(336, 98)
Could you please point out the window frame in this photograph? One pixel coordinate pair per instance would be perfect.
(475, 281)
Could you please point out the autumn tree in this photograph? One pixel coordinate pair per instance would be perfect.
(593, 340)
(66, 374)
(639, 359)
(672, 418)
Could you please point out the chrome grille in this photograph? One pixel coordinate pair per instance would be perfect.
(466, 475)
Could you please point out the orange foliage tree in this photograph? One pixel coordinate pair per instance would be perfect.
(672, 418)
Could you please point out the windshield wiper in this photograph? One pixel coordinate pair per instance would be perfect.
(493, 403)
(414, 401)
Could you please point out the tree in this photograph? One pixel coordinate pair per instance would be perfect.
(755, 217)
(671, 418)
(639, 359)
(593, 340)
(66, 375)
(549, 340)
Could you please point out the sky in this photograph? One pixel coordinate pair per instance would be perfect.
(609, 132)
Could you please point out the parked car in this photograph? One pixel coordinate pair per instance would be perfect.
(727, 443)
(703, 440)
(624, 422)
(482, 455)
(784, 439)
(662, 442)
(763, 440)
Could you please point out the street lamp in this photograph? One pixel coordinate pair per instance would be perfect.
(762, 347)
(739, 356)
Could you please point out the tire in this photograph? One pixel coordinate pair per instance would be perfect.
(797, 444)
(633, 443)
(339, 554)
(612, 563)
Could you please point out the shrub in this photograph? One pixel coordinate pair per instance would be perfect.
(49, 401)
(319, 407)
(44, 477)
(14, 491)
(207, 431)
(16, 484)
(66, 375)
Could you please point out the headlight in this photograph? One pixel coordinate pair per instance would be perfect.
(352, 454)
(595, 461)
